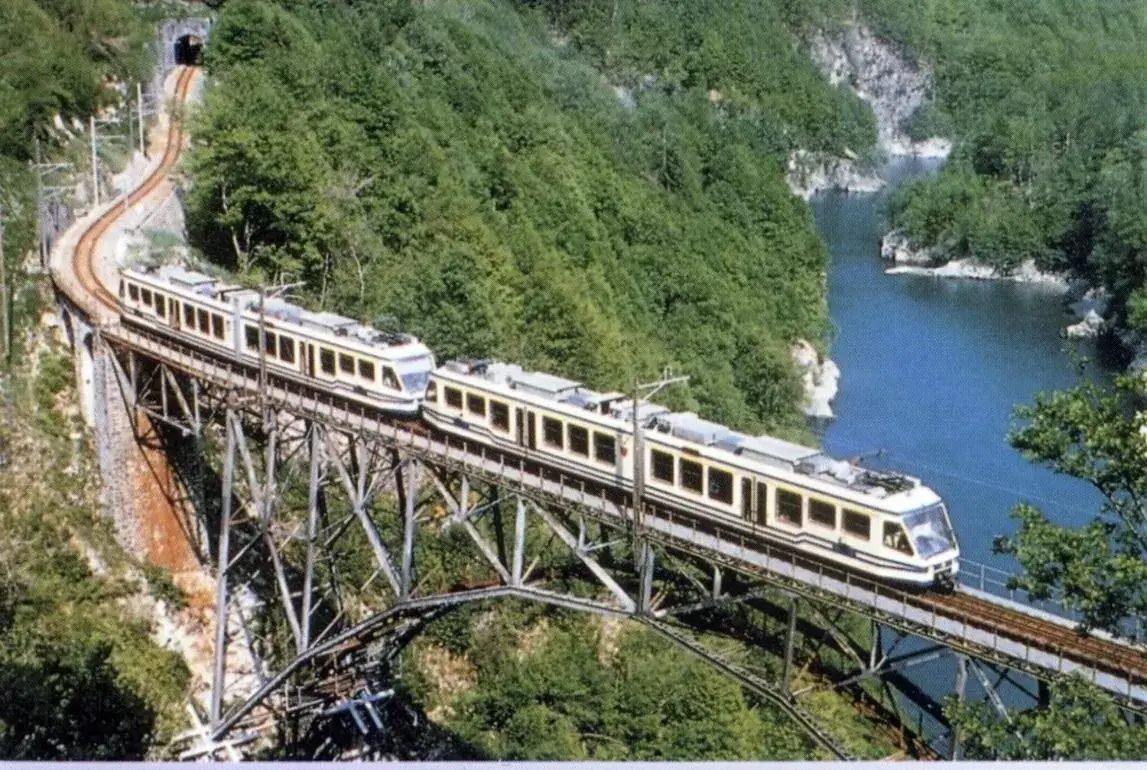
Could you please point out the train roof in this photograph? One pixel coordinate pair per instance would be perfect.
(687, 426)
(279, 309)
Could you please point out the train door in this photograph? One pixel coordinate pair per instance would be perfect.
(309, 359)
(531, 431)
(520, 425)
(747, 499)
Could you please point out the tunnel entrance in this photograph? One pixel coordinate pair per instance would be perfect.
(189, 50)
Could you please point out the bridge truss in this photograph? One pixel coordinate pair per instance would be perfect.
(324, 501)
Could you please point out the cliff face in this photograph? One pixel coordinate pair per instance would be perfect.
(893, 86)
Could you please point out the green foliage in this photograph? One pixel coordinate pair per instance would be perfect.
(1049, 162)
(549, 692)
(451, 165)
(1080, 722)
(1100, 570)
(1095, 435)
(82, 680)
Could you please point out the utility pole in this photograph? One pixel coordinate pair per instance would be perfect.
(95, 164)
(139, 106)
(5, 328)
(642, 393)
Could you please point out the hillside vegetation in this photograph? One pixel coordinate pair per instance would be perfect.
(1047, 101)
(80, 676)
(469, 168)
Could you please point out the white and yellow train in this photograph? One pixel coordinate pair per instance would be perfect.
(886, 525)
(385, 369)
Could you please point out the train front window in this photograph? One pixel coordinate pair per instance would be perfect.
(930, 531)
(415, 382)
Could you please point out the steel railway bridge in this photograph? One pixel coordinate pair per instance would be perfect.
(309, 476)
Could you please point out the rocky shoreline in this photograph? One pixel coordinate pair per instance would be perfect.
(820, 378)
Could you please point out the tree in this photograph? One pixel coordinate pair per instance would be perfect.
(1079, 723)
(1097, 435)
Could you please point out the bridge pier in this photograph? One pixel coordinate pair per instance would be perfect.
(960, 690)
(790, 640)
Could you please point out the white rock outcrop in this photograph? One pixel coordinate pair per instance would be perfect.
(1026, 272)
(897, 249)
(809, 173)
(894, 87)
(820, 378)
(1091, 326)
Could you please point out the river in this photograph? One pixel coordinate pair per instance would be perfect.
(932, 368)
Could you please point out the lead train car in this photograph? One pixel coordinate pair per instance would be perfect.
(383, 369)
(886, 525)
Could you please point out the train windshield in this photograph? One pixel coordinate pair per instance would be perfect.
(415, 374)
(929, 530)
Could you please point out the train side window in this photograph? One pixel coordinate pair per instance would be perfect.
(579, 440)
(662, 463)
(201, 315)
(720, 486)
(454, 398)
(251, 334)
(217, 326)
(895, 538)
(327, 361)
(366, 369)
(499, 415)
(552, 433)
(857, 524)
(391, 381)
(762, 502)
(287, 349)
(146, 295)
(604, 448)
(475, 405)
(133, 292)
(160, 305)
(272, 344)
(431, 390)
(692, 476)
(188, 316)
(822, 513)
(789, 507)
(346, 363)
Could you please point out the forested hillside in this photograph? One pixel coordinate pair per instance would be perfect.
(79, 673)
(567, 191)
(1047, 102)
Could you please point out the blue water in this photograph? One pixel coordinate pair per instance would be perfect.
(931, 369)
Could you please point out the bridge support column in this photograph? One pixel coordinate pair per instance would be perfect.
(224, 561)
(716, 593)
(790, 640)
(408, 481)
(645, 595)
(961, 690)
(519, 542)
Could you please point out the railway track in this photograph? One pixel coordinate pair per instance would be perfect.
(84, 258)
(1105, 655)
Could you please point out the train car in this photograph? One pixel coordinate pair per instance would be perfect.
(884, 524)
(385, 369)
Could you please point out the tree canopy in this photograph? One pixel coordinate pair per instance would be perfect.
(1047, 104)
(492, 181)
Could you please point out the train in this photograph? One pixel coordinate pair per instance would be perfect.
(883, 524)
